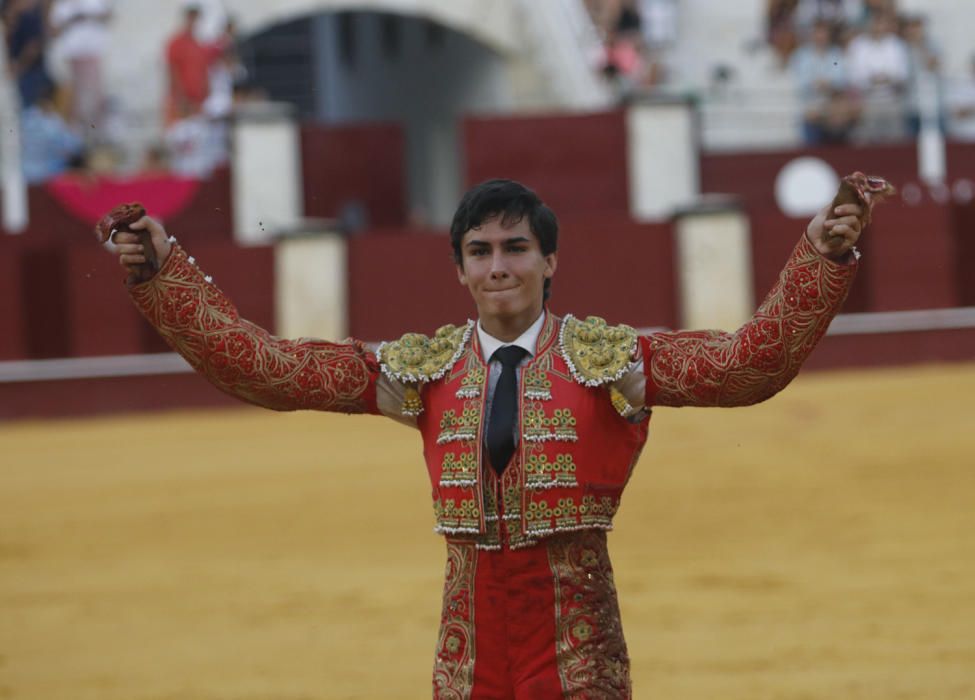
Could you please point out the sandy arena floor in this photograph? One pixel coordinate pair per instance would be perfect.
(821, 545)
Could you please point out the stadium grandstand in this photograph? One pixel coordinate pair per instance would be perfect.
(311, 153)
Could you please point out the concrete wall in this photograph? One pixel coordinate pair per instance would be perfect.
(426, 84)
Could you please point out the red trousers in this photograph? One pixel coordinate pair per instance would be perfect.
(531, 624)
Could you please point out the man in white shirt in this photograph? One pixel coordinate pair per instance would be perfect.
(879, 67)
(81, 36)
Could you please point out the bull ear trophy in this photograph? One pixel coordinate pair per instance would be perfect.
(855, 188)
(118, 221)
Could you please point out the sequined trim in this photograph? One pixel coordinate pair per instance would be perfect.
(453, 670)
(459, 469)
(538, 386)
(454, 518)
(470, 385)
(542, 473)
(568, 515)
(459, 428)
(540, 426)
(596, 352)
(419, 358)
(589, 646)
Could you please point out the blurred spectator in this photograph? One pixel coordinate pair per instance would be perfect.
(604, 15)
(226, 70)
(828, 110)
(961, 107)
(189, 60)
(924, 88)
(23, 24)
(870, 9)
(659, 20)
(836, 13)
(879, 67)
(80, 39)
(191, 148)
(780, 28)
(48, 143)
(629, 21)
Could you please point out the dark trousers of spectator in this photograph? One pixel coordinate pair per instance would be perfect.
(814, 134)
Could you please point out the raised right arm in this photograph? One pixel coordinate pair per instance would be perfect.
(200, 323)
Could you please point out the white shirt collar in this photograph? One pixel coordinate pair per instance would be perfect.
(527, 340)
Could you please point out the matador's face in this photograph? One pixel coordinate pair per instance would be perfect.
(505, 270)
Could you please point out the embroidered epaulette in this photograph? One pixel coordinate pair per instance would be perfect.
(419, 358)
(596, 352)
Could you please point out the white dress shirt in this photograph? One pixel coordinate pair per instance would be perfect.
(389, 393)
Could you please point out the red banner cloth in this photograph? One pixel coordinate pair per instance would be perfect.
(88, 199)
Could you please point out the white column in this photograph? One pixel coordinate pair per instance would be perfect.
(12, 181)
(266, 174)
(714, 266)
(662, 157)
(311, 287)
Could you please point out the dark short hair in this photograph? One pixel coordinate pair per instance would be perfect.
(510, 202)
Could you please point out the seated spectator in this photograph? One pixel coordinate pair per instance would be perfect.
(870, 9)
(49, 144)
(828, 110)
(836, 13)
(23, 24)
(81, 37)
(924, 88)
(960, 99)
(781, 30)
(659, 20)
(604, 15)
(879, 67)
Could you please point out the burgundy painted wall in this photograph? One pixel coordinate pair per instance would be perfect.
(577, 164)
(751, 176)
(364, 163)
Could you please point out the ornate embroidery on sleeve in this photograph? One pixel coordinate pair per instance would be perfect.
(589, 646)
(453, 670)
(198, 321)
(714, 368)
(595, 352)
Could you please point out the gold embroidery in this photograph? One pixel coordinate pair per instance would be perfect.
(537, 384)
(566, 514)
(462, 427)
(459, 469)
(541, 427)
(200, 323)
(453, 670)
(540, 473)
(470, 385)
(714, 368)
(595, 352)
(419, 358)
(589, 646)
(453, 518)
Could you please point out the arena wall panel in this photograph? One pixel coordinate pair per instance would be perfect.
(576, 163)
(751, 176)
(12, 307)
(362, 164)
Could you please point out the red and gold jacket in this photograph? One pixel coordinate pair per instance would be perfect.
(579, 440)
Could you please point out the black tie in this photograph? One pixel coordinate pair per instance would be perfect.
(504, 407)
